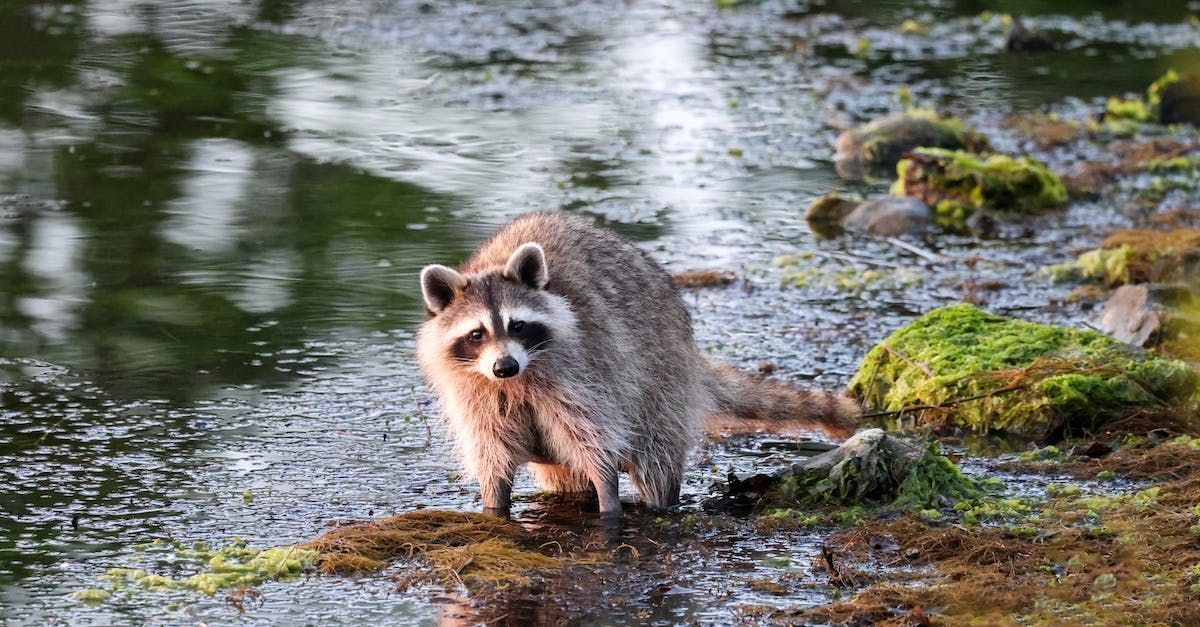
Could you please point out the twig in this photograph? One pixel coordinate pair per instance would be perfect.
(906, 360)
(918, 251)
(854, 259)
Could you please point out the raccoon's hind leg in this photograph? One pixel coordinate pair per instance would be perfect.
(560, 479)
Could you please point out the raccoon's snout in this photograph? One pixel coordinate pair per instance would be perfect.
(506, 367)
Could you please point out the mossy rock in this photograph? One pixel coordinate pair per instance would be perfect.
(1129, 256)
(961, 366)
(874, 149)
(872, 469)
(959, 184)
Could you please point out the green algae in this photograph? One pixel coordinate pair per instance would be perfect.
(230, 566)
(91, 596)
(961, 366)
(958, 184)
(808, 270)
(1109, 266)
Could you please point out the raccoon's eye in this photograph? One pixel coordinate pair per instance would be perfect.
(516, 326)
(476, 335)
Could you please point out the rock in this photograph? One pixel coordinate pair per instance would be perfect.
(890, 216)
(1021, 39)
(958, 184)
(831, 208)
(874, 150)
(1179, 101)
(871, 468)
(959, 366)
(1164, 316)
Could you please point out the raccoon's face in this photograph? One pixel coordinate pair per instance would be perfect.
(496, 324)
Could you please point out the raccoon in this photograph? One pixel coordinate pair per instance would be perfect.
(561, 346)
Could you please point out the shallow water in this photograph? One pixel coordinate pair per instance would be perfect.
(213, 214)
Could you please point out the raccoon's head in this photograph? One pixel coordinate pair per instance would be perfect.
(496, 323)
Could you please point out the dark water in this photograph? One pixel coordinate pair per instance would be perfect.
(213, 212)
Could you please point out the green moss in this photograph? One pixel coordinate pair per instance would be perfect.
(1132, 109)
(972, 369)
(958, 184)
(1154, 91)
(934, 481)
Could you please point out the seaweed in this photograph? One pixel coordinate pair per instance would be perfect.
(961, 366)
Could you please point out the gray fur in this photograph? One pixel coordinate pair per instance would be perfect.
(619, 386)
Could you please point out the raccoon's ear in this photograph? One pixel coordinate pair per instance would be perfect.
(439, 286)
(527, 265)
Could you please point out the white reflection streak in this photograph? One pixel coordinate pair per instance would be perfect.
(54, 257)
(205, 217)
(666, 68)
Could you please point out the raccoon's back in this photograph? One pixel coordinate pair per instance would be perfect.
(633, 322)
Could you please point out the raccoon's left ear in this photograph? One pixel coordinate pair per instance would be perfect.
(439, 286)
(527, 265)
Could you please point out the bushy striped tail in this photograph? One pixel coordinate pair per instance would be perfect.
(747, 402)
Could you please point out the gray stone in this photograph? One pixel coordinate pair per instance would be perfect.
(890, 216)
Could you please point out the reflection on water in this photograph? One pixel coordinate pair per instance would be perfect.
(212, 214)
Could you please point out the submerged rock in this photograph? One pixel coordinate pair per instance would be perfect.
(873, 150)
(825, 214)
(961, 366)
(1021, 39)
(959, 184)
(886, 216)
(890, 216)
(831, 208)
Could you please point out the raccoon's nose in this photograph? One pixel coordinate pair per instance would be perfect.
(505, 367)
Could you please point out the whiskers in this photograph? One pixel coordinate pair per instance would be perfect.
(532, 351)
